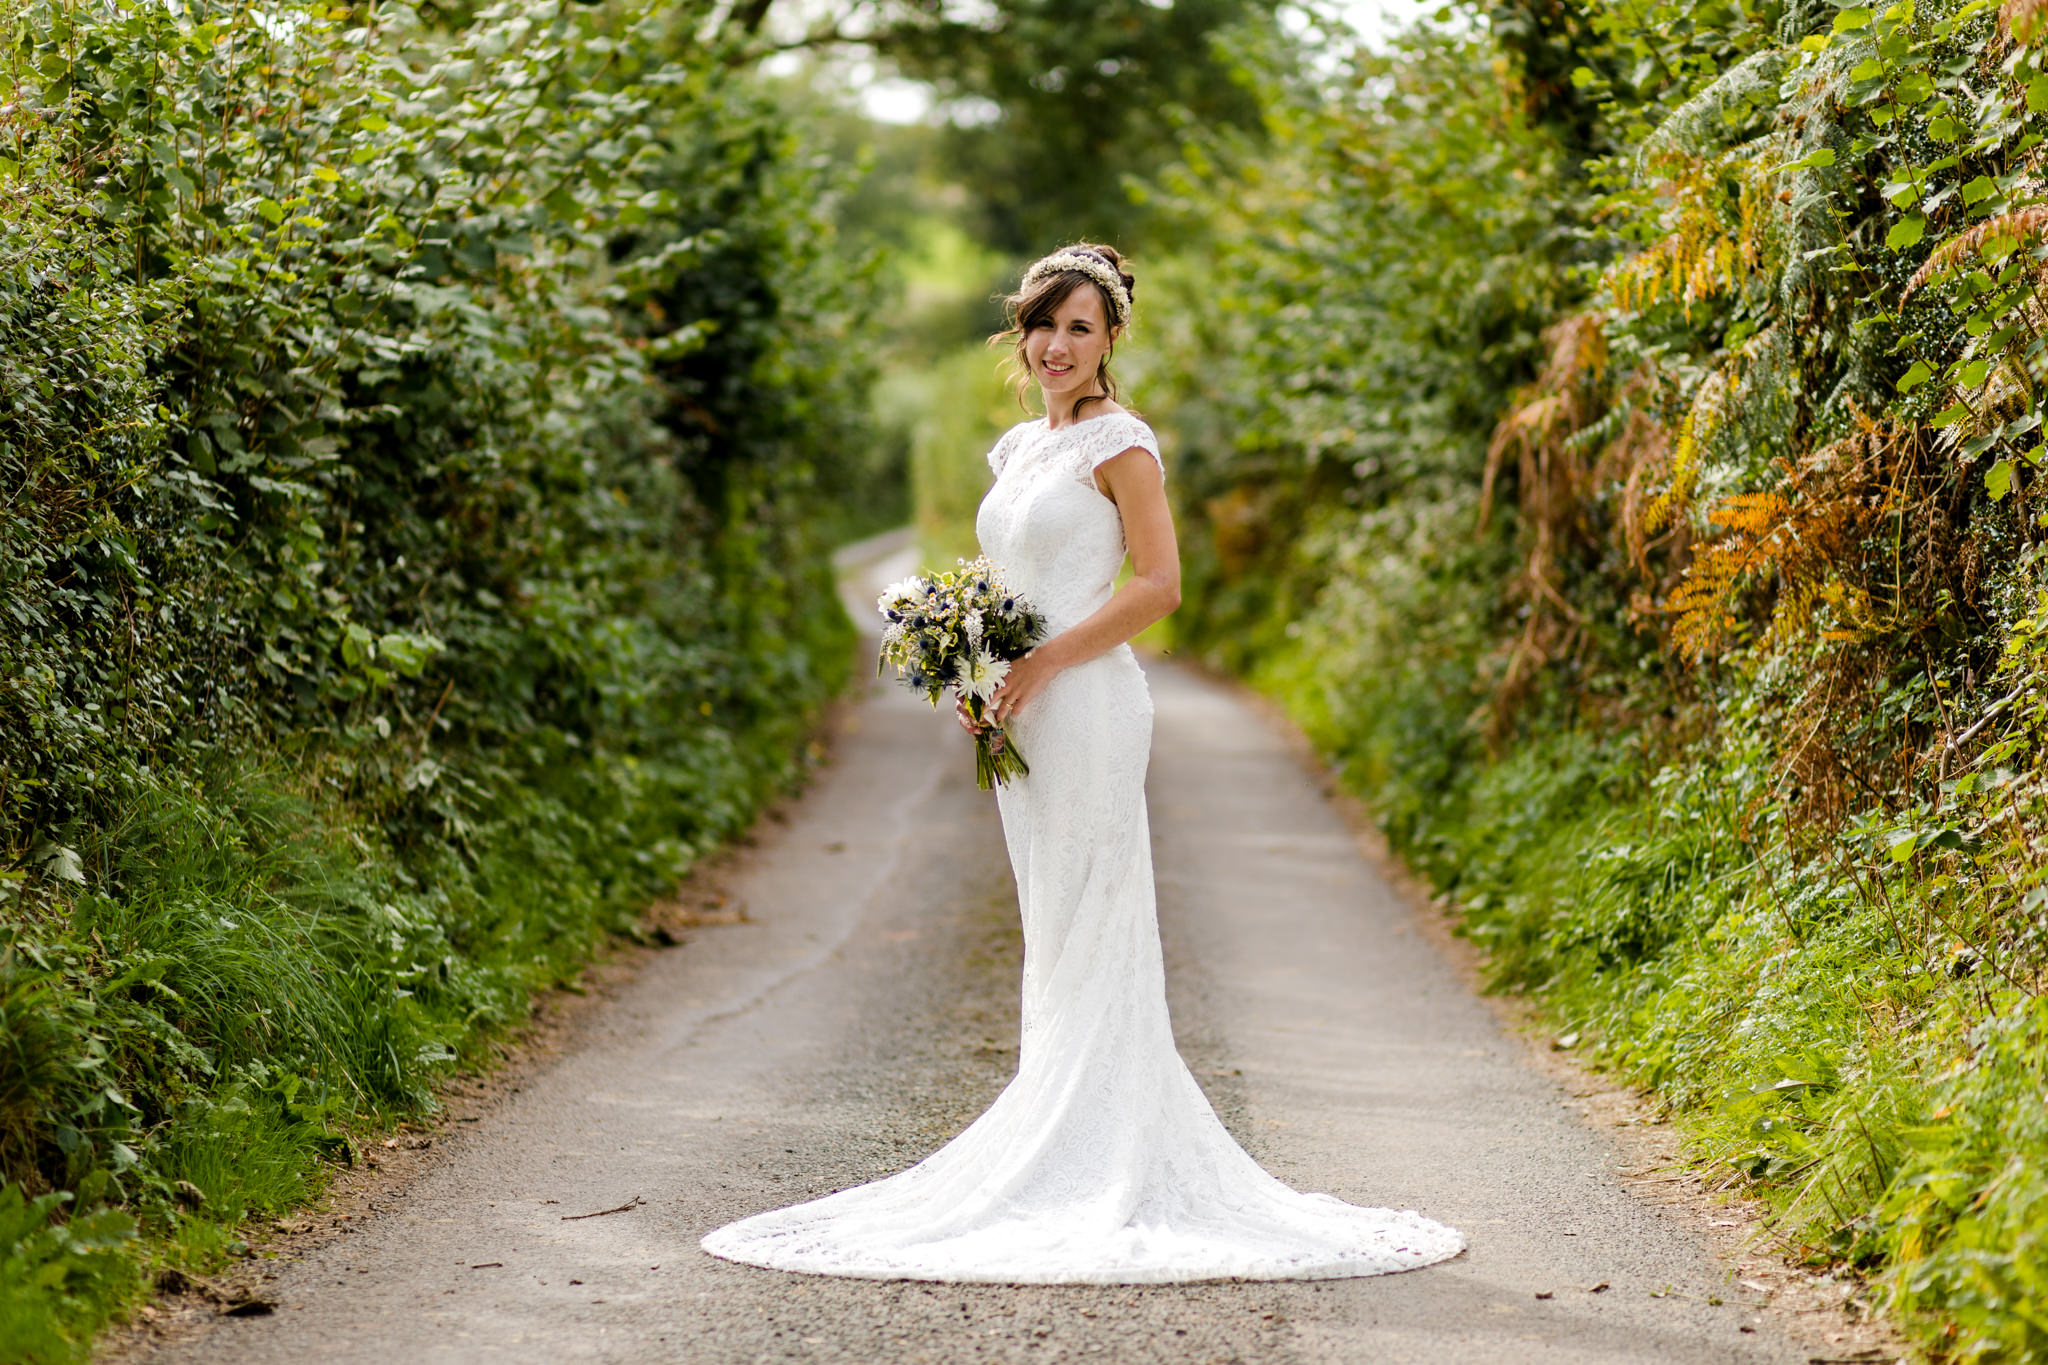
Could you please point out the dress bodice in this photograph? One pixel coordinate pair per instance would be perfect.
(1056, 539)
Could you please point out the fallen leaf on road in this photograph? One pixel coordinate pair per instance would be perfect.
(1546, 1293)
(1600, 1288)
(487, 1265)
(251, 1307)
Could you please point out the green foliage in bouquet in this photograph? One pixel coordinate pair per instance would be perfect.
(962, 630)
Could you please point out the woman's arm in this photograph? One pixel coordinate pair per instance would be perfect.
(1133, 482)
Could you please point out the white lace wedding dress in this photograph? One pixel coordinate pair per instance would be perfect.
(1102, 1162)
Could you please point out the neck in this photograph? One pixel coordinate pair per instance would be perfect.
(1062, 412)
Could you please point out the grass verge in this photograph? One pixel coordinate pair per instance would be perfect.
(256, 976)
(1845, 1021)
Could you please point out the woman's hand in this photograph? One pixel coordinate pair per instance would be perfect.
(1026, 679)
(966, 719)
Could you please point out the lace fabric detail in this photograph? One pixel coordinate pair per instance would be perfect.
(1102, 1161)
(1079, 447)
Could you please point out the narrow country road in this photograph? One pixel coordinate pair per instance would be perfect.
(866, 1012)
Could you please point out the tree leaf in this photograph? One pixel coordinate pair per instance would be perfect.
(1998, 479)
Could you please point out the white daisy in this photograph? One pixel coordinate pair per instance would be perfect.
(900, 593)
(981, 673)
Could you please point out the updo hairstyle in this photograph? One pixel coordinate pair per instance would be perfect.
(1037, 302)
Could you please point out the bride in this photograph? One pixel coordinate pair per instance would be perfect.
(1102, 1162)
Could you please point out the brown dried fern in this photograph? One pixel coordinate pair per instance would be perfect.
(2023, 20)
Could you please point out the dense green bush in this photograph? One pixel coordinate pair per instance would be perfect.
(415, 446)
(1613, 430)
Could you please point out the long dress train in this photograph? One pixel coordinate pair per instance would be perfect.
(1102, 1162)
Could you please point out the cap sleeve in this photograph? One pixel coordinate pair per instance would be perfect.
(1005, 444)
(1115, 434)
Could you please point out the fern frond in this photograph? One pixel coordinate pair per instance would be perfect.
(1699, 426)
(2019, 227)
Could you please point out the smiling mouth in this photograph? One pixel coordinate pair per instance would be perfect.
(1050, 368)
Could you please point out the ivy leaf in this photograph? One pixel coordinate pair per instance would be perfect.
(408, 651)
(1914, 377)
(1906, 232)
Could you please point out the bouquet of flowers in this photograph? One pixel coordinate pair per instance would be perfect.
(961, 630)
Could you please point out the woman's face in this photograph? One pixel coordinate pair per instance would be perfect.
(1065, 353)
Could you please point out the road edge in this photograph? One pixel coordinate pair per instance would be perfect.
(383, 1164)
(1832, 1317)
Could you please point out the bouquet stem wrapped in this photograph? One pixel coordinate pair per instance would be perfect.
(996, 759)
(961, 631)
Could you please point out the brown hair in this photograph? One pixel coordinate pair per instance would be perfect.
(1027, 308)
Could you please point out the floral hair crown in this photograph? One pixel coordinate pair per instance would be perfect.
(1091, 265)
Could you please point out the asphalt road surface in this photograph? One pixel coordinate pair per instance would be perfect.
(866, 1012)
